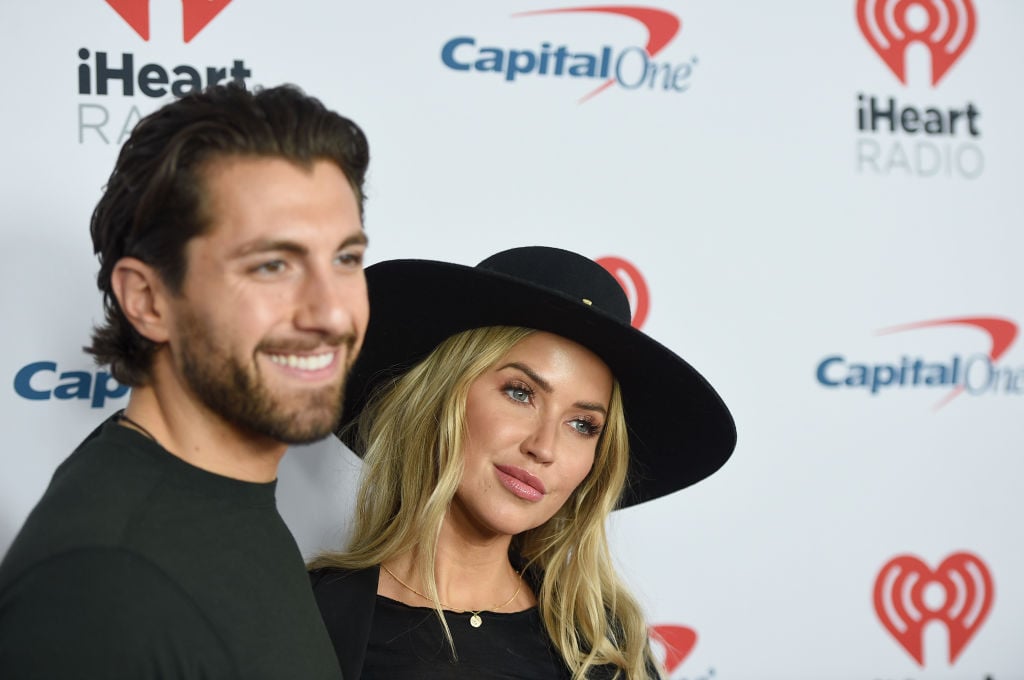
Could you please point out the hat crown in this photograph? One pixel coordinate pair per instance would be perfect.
(569, 274)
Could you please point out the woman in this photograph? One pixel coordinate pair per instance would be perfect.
(503, 412)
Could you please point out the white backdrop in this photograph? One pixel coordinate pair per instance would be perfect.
(772, 227)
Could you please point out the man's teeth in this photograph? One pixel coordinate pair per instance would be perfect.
(303, 363)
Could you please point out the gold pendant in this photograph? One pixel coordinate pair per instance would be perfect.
(475, 620)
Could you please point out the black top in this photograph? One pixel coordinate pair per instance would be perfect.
(375, 637)
(137, 564)
(408, 643)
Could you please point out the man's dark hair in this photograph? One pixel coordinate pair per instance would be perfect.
(153, 203)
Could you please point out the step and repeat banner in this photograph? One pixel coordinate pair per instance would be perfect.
(818, 204)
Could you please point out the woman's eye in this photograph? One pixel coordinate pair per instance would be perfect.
(584, 427)
(520, 394)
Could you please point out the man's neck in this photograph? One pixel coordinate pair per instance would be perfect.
(200, 437)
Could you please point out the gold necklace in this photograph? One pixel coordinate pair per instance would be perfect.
(475, 619)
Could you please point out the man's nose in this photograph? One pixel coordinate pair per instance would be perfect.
(333, 304)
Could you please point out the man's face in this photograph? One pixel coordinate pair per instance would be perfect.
(273, 308)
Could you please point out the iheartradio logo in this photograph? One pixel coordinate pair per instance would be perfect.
(945, 27)
(672, 644)
(196, 14)
(633, 282)
(909, 595)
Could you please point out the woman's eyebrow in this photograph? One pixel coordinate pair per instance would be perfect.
(591, 406)
(546, 386)
(541, 382)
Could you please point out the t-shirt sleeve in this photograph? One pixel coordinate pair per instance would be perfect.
(105, 613)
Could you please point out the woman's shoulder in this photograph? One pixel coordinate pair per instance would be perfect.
(341, 578)
(345, 598)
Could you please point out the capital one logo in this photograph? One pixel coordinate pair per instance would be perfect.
(978, 373)
(632, 67)
(633, 282)
(675, 643)
(944, 27)
(1001, 334)
(196, 14)
(909, 596)
(661, 28)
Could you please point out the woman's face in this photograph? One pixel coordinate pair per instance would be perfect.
(533, 422)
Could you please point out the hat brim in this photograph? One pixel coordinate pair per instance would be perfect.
(680, 430)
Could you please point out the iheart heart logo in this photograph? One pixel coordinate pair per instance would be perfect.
(196, 14)
(633, 282)
(945, 27)
(677, 641)
(909, 595)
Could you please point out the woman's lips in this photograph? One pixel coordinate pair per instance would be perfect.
(520, 482)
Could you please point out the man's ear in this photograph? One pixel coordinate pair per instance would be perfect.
(143, 297)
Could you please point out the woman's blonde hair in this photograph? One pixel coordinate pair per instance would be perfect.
(412, 433)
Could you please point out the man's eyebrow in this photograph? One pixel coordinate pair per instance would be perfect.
(546, 386)
(358, 239)
(269, 245)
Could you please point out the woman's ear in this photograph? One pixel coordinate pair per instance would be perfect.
(142, 295)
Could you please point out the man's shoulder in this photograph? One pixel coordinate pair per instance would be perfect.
(106, 609)
(122, 580)
(91, 500)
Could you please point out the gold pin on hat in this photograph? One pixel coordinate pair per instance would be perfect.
(586, 301)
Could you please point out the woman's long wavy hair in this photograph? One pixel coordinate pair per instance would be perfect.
(412, 433)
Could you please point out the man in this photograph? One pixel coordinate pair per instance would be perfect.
(230, 242)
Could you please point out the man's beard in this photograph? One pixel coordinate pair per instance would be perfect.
(239, 395)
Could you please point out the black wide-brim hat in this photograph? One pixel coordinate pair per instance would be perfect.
(680, 430)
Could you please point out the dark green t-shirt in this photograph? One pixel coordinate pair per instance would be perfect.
(137, 564)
